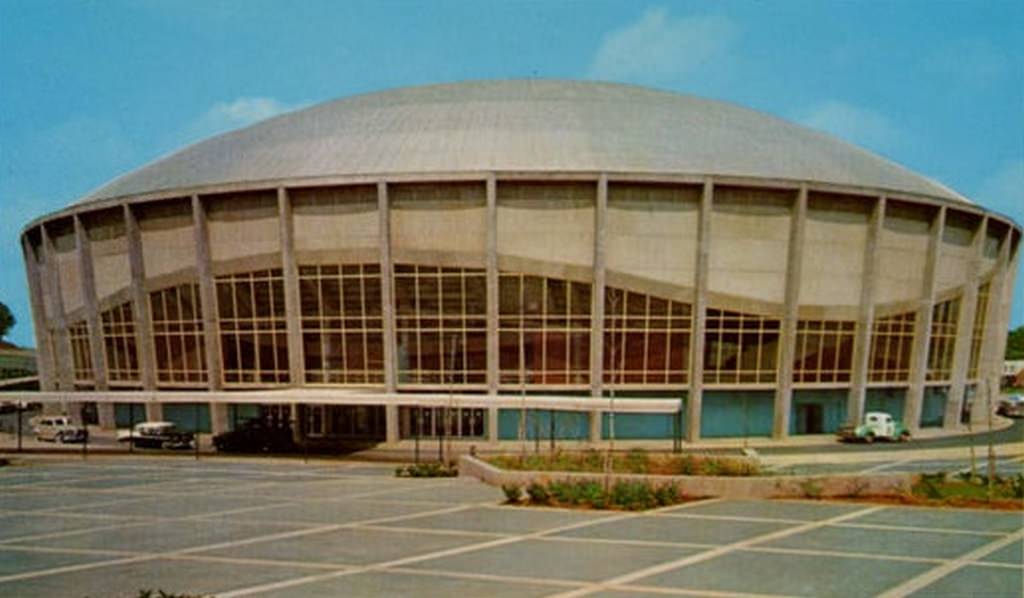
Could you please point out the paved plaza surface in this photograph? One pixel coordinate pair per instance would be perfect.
(111, 526)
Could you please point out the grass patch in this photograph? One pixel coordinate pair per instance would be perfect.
(962, 489)
(587, 494)
(634, 462)
(427, 470)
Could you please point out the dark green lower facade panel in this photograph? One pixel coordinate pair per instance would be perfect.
(189, 417)
(736, 413)
(933, 409)
(889, 400)
(817, 411)
(643, 426)
(127, 415)
(239, 412)
(544, 424)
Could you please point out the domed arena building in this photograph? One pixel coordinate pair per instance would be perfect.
(439, 261)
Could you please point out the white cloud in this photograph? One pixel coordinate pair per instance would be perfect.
(234, 114)
(1003, 190)
(853, 123)
(661, 48)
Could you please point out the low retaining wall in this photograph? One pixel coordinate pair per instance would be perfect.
(765, 486)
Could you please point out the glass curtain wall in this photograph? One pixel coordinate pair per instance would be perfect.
(441, 325)
(646, 339)
(740, 348)
(544, 331)
(342, 329)
(178, 335)
(119, 344)
(892, 340)
(823, 352)
(942, 341)
(80, 353)
(253, 332)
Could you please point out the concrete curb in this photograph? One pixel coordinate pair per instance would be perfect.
(790, 486)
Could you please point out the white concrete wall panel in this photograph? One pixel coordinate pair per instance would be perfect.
(549, 222)
(750, 243)
(110, 260)
(242, 226)
(834, 244)
(168, 241)
(70, 281)
(902, 253)
(438, 219)
(652, 232)
(955, 254)
(335, 218)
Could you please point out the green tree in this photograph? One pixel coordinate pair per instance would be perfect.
(1015, 344)
(6, 320)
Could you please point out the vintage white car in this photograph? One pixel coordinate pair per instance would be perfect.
(58, 428)
(156, 435)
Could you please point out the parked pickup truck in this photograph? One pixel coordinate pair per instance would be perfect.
(157, 435)
(877, 425)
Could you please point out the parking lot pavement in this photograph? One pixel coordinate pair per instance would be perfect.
(110, 527)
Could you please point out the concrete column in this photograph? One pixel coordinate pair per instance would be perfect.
(208, 306)
(387, 311)
(144, 347)
(492, 424)
(965, 329)
(865, 315)
(923, 326)
(492, 305)
(994, 343)
(292, 300)
(1009, 282)
(63, 362)
(597, 304)
(44, 348)
(787, 337)
(700, 304)
(104, 411)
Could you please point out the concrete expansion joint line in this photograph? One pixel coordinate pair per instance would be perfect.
(438, 554)
(702, 593)
(928, 577)
(194, 549)
(710, 554)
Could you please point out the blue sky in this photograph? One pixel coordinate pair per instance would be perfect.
(90, 90)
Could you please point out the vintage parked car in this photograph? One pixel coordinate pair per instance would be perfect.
(157, 435)
(58, 428)
(877, 425)
(255, 436)
(1011, 406)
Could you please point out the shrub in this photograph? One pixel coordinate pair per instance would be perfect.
(930, 485)
(427, 470)
(562, 492)
(633, 496)
(810, 489)
(538, 493)
(162, 594)
(637, 461)
(666, 494)
(513, 492)
(1017, 486)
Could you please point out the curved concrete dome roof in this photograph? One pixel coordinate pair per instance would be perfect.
(525, 125)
